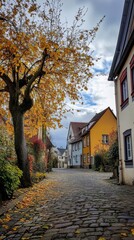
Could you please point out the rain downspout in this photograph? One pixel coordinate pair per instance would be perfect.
(119, 135)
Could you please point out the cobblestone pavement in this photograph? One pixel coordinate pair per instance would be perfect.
(78, 204)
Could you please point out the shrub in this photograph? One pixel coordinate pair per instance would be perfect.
(7, 150)
(101, 160)
(97, 162)
(9, 179)
(55, 162)
(38, 151)
(113, 156)
(37, 177)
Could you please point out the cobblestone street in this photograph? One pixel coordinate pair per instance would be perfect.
(79, 204)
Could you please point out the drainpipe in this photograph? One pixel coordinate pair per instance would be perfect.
(90, 150)
(119, 135)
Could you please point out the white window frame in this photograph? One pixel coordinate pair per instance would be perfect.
(105, 138)
(129, 147)
(124, 90)
(128, 151)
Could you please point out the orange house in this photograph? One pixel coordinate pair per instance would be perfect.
(96, 134)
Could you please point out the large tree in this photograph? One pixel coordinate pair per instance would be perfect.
(42, 61)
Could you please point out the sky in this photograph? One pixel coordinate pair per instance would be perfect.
(100, 93)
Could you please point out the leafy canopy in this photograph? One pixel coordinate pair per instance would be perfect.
(43, 59)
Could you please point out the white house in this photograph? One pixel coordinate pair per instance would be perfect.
(74, 144)
(62, 158)
(122, 73)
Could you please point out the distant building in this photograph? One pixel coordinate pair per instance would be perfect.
(122, 73)
(74, 144)
(96, 135)
(84, 138)
(62, 158)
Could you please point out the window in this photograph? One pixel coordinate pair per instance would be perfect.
(84, 142)
(132, 75)
(124, 88)
(128, 147)
(88, 157)
(78, 145)
(105, 139)
(76, 159)
(73, 147)
(132, 79)
(84, 158)
(87, 140)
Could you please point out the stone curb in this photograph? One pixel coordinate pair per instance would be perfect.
(11, 204)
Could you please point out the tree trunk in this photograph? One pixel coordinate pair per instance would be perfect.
(21, 147)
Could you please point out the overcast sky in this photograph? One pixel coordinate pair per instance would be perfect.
(100, 94)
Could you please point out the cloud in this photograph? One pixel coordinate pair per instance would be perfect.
(100, 93)
(108, 31)
(99, 96)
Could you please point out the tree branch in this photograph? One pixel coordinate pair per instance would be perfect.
(3, 90)
(8, 81)
(38, 73)
(29, 69)
(9, 21)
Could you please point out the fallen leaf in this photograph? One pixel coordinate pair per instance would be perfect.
(5, 226)
(2, 237)
(25, 238)
(22, 220)
(45, 227)
(15, 228)
(77, 231)
(124, 234)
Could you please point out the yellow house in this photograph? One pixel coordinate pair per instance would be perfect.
(96, 135)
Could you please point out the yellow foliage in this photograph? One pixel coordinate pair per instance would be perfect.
(41, 60)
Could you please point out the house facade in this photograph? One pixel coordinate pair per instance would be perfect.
(96, 135)
(122, 73)
(77, 153)
(62, 158)
(74, 144)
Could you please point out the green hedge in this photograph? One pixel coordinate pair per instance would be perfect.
(9, 179)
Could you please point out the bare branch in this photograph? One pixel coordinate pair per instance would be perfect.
(9, 21)
(7, 80)
(4, 90)
(38, 73)
(29, 69)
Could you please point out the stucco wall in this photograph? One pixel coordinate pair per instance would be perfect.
(106, 125)
(77, 153)
(125, 122)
